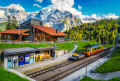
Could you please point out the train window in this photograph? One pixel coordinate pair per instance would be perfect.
(88, 50)
(95, 48)
(99, 47)
(85, 50)
(82, 50)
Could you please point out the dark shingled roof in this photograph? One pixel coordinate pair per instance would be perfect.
(92, 46)
(18, 50)
(25, 50)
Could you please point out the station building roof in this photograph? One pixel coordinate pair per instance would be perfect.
(92, 46)
(26, 50)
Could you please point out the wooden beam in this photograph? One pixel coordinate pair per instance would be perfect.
(25, 34)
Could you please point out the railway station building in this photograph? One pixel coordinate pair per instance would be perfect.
(12, 58)
(33, 30)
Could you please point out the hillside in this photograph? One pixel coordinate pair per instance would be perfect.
(2, 26)
(102, 30)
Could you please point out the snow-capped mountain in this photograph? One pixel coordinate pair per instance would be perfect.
(56, 19)
(61, 20)
(11, 10)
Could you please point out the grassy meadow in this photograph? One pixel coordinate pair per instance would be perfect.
(111, 65)
(90, 79)
(9, 76)
(63, 46)
(2, 26)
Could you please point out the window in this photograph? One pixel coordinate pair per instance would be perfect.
(95, 48)
(86, 50)
(9, 60)
(82, 49)
(27, 24)
(31, 56)
(37, 51)
(40, 23)
(99, 47)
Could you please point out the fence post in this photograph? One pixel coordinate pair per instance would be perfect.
(113, 67)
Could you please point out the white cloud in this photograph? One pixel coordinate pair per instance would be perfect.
(15, 6)
(40, 1)
(1, 13)
(79, 7)
(37, 5)
(65, 5)
(111, 15)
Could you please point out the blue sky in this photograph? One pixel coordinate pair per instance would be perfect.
(88, 7)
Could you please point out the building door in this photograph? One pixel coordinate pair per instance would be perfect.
(15, 62)
(31, 58)
(27, 59)
(9, 62)
(21, 60)
(37, 58)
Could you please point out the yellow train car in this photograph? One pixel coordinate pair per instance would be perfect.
(92, 49)
(76, 56)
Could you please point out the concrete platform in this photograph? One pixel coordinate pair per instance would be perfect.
(42, 64)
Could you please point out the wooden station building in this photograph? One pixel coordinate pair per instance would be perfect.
(33, 30)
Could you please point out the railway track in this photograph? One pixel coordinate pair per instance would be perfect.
(38, 73)
(63, 73)
(73, 69)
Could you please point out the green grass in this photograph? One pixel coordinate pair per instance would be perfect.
(2, 26)
(65, 46)
(90, 79)
(9, 76)
(111, 65)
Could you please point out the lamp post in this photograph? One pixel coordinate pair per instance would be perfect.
(116, 39)
(19, 31)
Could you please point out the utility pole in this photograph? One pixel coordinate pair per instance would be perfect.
(116, 44)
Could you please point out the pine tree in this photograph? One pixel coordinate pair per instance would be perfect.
(14, 22)
(9, 24)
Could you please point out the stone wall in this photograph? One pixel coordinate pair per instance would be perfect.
(61, 52)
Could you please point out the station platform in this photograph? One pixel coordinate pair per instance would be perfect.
(42, 64)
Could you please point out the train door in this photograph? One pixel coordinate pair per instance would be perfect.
(9, 62)
(27, 59)
(21, 60)
(90, 51)
(31, 58)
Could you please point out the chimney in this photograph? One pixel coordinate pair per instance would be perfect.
(56, 30)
